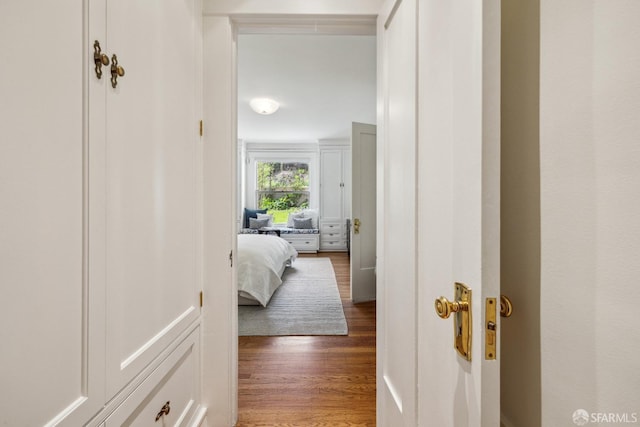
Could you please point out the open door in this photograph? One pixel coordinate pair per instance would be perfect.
(363, 208)
(439, 207)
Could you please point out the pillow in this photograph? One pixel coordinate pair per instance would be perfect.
(313, 214)
(258, 223)
(304, 223)
(267, 217)
(293, 215)
(251, 213)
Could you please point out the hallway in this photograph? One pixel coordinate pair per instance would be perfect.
(312, 381)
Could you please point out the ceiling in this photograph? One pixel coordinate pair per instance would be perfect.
(322, 82)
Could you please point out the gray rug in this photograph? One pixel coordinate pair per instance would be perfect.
(307, 303)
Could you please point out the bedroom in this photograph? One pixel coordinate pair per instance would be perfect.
(322, 84)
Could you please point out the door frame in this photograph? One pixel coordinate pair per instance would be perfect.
(223, 19)
(220, 310)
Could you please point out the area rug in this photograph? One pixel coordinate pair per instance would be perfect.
(307, 303)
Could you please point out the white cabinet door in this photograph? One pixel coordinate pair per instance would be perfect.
(346, 187)
(150, 180)
(331, 200)
(47, 333)
(98, 188)
(335, 177)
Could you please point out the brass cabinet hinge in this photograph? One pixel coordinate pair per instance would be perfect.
(201, 128)
(231, 258)
(201, 298)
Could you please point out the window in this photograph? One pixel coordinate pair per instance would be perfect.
(282, 187)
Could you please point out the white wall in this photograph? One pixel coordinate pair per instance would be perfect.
(590, 207)
(520, 213)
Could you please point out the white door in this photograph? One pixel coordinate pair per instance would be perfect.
(363, 207)
(150, 181)
(47, 333)
(396, 246)
(440, 209)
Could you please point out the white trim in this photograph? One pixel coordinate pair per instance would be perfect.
(219, 313)
(334, 143)
(184, 413)
(160, 335)
(393, 392)
(199, 418)
(327, 25)
(289, 147)
(297, 8)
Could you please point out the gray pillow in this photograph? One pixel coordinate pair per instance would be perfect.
(294, 215)
(258, 223)
(302, 223)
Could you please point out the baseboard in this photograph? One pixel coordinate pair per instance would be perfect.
(367, 298)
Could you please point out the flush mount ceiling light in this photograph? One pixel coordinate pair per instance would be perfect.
(264, 105)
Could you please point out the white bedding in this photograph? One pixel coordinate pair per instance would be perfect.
(262, 259)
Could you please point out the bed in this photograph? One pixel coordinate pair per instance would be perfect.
(262, 258)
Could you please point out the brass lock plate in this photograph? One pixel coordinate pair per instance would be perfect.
(462, 320)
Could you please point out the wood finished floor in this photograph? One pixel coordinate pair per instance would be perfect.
(316, 380)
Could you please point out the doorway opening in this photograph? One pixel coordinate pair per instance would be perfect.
(297, 160)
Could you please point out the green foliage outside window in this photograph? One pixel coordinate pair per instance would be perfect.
(282, 188)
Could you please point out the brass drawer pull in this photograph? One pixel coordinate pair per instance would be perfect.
(164, 411)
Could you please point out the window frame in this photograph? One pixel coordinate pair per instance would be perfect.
(286, 153)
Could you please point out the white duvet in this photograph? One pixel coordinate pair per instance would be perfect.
(262, 259)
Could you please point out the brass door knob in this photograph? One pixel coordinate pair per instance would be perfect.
(461, 305)
(444, 307)
(506, 307)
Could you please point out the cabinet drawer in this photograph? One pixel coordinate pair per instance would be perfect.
(174, 383)
(336, 235)
(333, 245)
(306, 243)
(331, 227)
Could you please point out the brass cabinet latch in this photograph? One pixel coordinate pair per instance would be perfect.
(116, 70)
(461, 307)
(99, 58)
